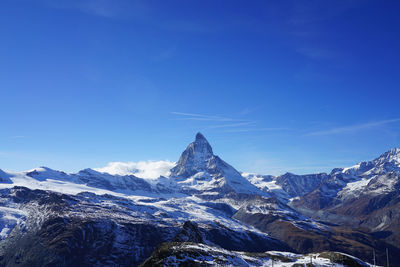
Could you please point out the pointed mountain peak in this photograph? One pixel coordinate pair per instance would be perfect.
(199, 137)
(390, 153)
(201, 145)
(195, 157)
(393, 155)
(201, 141)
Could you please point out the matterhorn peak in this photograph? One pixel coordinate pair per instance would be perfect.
(200, 146)
(200, 136)
(195, 157)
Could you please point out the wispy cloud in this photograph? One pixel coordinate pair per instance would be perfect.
(201, 117)
(248, 110)
(353, 128)
(227, 124)
(272, 129)
(233, 125)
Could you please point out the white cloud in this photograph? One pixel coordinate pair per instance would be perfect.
(143, 169)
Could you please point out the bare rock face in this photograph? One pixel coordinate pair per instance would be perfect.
(298, 185)
(190, 233)
(195, 158)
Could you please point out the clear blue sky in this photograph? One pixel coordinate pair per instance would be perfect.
(275, 86)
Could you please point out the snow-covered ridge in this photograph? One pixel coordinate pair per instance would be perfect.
(369, 177)
(198, 170)
(387, 162)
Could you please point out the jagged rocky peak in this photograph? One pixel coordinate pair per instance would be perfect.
(201, 146)
(195, 158)
(392, 155)
(387, 162)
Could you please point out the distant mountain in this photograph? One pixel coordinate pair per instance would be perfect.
(371, 178)
(364, 196)
(203, 212)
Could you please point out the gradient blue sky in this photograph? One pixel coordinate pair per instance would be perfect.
(275, 86)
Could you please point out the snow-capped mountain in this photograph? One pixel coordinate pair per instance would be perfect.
(96, 218)
(287, 186)
(372, 177)
(369, 178)
(387, 162)
(200, 171)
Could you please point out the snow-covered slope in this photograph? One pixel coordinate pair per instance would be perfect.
(287, 186)
(85, 181)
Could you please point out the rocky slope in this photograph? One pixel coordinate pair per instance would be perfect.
(195, 254)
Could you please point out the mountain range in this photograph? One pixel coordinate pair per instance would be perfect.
(204, 212)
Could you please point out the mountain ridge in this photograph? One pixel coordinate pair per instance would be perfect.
(229, 210)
